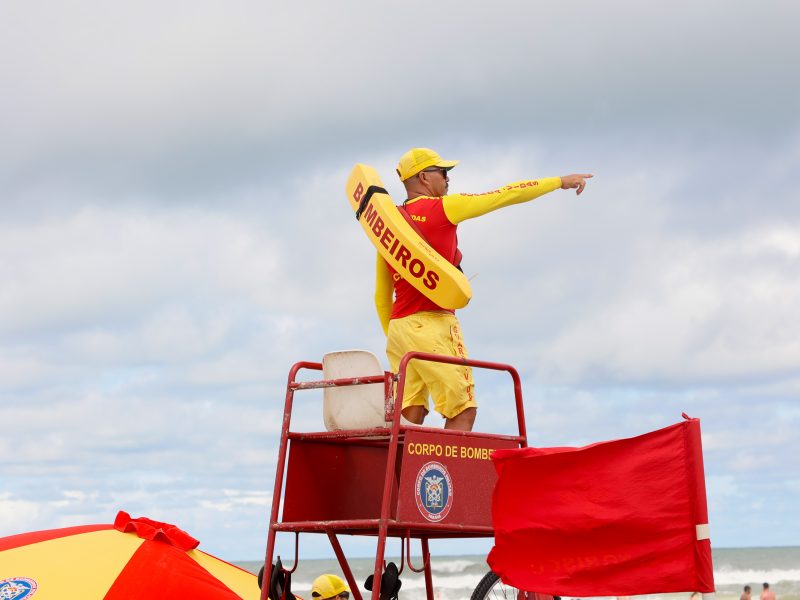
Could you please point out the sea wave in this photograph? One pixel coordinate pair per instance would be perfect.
(454, 577)
(417, 582)
(443, 582)
(731, 576)
(453, 566)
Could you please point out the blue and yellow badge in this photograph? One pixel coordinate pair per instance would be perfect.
(17, 588)
(434, 491)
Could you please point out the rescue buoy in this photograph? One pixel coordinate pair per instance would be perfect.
(402, 247)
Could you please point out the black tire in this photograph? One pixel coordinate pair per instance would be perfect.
(491, 588)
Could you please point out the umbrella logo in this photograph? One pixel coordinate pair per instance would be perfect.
(17, 588)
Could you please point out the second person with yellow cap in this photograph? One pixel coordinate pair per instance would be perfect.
(329, 587)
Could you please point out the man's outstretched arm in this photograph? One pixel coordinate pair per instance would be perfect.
(460, 207)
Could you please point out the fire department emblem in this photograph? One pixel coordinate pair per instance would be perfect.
(17, 588)
(434, 491)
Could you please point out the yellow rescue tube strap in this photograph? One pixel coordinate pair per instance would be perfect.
(367, 195)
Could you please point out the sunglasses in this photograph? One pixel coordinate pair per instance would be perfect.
(344, 595)
(435, 170)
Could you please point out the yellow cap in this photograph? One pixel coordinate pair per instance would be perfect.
(328, 586)
(417, 159)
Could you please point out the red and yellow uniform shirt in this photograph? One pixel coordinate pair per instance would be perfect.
(438, 219)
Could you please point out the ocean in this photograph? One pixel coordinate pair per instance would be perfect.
(455, 577)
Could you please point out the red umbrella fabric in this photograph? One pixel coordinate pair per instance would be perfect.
(133, 558)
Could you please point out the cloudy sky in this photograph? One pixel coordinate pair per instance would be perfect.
(174, 235)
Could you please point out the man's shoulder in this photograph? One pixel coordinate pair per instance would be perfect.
(427, 206)
(424, 201)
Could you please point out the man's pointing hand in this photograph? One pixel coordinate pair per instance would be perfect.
(575, 181)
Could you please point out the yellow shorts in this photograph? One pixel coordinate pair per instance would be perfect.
(451, 386)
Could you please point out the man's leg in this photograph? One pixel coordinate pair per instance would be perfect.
(452, 386)
(401, 339)
(415, 414)
(463, 421)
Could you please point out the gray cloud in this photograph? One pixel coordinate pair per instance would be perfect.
(109, 106)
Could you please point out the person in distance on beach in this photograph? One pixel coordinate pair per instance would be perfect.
(767, 594)
(410, 320)
(745, 593)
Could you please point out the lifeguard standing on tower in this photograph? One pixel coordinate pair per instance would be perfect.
(414, 322)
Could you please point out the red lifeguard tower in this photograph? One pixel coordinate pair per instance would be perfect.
(436, 483)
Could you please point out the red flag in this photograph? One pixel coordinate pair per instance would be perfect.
(618, 518)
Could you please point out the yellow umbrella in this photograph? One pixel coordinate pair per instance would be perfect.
(133, 558)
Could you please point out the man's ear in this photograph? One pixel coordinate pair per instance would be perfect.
(423, 179)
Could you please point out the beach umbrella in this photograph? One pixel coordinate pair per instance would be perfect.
(133, 558)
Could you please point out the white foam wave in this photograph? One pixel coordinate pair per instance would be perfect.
(449, 575)
(446, 587)
(444, 582)
(455, 577)
(730, 576)
(454, 566)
